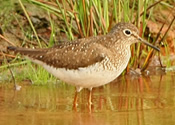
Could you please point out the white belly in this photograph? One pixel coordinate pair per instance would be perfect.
(84, 77)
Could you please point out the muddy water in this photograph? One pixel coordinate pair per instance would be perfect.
(142, 100)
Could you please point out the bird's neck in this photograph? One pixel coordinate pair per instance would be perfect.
(116, 45)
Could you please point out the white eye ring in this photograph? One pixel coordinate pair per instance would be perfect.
(127, 32)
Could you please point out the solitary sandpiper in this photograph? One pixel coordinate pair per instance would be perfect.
(88, 62)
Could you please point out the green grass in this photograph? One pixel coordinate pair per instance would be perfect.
(38, 75)
(26, 70)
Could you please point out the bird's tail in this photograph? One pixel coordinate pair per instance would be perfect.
(32, 53)
(12, 48)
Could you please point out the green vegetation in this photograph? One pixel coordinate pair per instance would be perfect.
(76, 19)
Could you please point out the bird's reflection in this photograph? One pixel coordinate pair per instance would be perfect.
(128, 94)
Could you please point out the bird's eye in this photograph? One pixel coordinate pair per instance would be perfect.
(127, 32)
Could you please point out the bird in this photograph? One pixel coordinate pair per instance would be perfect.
(88, 62)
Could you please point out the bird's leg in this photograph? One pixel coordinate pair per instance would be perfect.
(90, 100)
(78, 89)
(75, 100)
(90, 97)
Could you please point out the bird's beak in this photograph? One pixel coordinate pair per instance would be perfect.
(145, 42)
(148, 44)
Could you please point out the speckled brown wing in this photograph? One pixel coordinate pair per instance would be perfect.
(72, 55)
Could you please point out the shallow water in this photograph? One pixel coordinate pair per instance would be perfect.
(143, 100)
